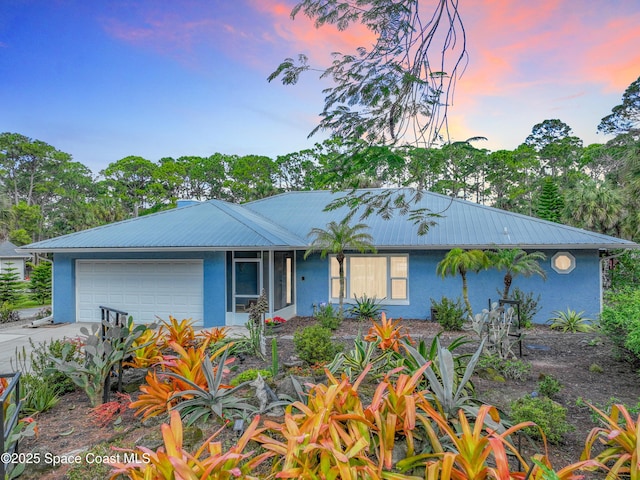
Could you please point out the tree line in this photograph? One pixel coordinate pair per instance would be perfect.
(551, 175)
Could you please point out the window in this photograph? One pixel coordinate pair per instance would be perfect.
(563, 262)
(380, 276)
(283, 279)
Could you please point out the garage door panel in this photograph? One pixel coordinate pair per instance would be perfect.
(144, 289)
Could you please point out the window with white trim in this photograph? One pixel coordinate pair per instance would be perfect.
(379, 276)
(563, 262)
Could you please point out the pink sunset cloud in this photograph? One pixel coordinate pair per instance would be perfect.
(301, 35)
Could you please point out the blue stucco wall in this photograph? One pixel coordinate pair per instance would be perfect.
(578, 290)
(64, 284)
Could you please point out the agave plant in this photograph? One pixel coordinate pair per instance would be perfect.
(429, 352)
(449, 391)
(571, 321)
(102, 354)
(217, 398)
(365, 308)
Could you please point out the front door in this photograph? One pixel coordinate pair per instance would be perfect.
(247, 285)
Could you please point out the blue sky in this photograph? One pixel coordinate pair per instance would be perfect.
(102, 80)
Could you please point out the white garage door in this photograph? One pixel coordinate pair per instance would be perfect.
(144, 289)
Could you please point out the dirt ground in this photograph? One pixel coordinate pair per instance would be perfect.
(567, 357)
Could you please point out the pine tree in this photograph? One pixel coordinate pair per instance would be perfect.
(550, 203)
(41, 282)
(10, 285)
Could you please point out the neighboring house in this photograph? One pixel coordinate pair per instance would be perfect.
(11, 258)
(209, 261)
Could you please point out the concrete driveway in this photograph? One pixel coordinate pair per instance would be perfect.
(14, 338)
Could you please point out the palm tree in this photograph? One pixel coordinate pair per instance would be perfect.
(516, 261)
(459, 261)
(337, 238)
(596, 207)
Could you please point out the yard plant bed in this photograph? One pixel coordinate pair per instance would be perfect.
(585, 364)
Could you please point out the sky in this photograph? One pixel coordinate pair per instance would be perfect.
(105, 79)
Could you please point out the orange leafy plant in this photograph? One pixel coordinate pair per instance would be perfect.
(207, 462)
(146, 350)
(620, 437)
(155, 398)
(388, 333)
(185, 367)
(396, 410)
(328, 439)
(477, 452)
(180, 332)
(212, 336)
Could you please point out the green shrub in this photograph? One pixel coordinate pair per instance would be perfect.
(328, 316)
(550, 416)
(249, 375)
(8, 314)
(529, 306)
(606, 408)
(620, 320)
(449, 313)
(626, 273)
(314, 345)
(38, 394)
(549, 386)
(365, 308)
(38, 362)
(513, 369)
(595, 368)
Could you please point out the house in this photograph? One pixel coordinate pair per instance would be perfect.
(10, 258)
(209, 261)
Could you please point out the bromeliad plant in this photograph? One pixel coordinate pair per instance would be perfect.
(620, 437)
(330, 438)
(172, 461)
(180, 332)
(148, 350)
(478, 452)
(388, 334)
(400, 410)
(179, 372)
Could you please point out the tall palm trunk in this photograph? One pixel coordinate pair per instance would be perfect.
(508, 278)
(465, 292)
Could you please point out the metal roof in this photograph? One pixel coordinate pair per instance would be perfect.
(8, 250)
(463, 224)
(209, 225)
(285, 220)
